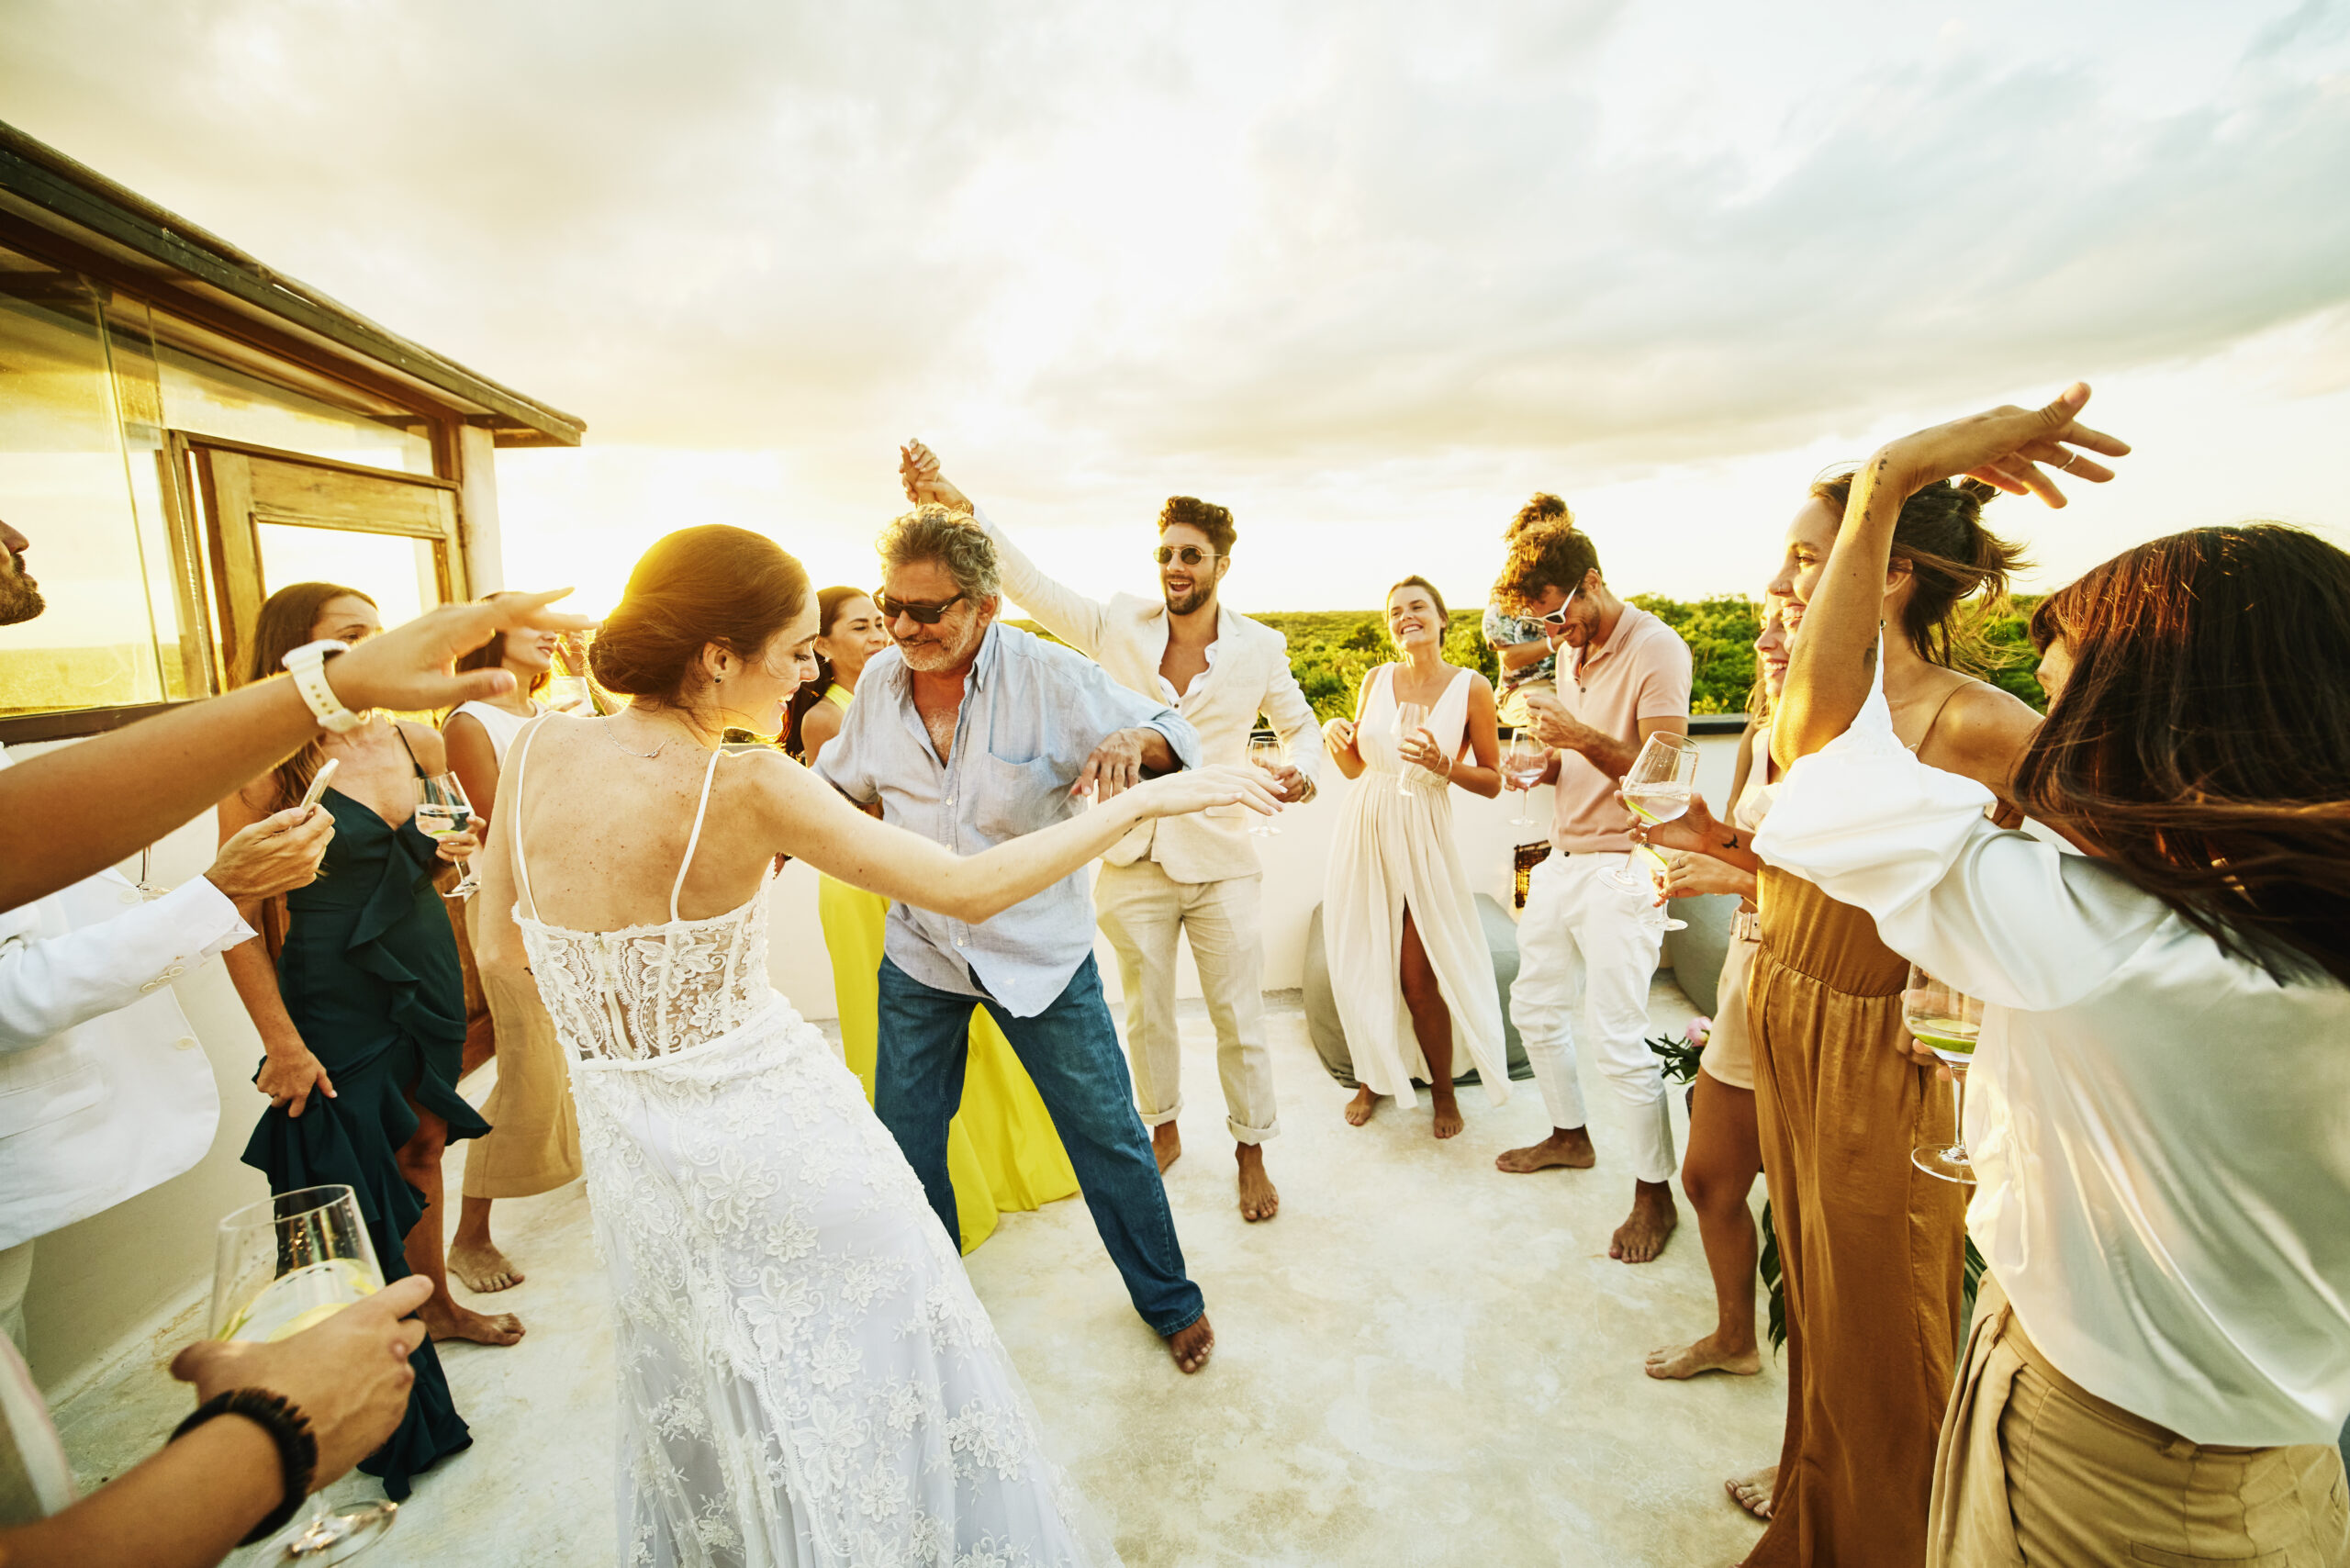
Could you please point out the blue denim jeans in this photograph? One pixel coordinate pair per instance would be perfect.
(1071, 1052)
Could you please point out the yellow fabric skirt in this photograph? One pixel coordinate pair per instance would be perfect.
(1002, 1151)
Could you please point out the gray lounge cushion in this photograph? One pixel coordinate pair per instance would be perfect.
(1695, 956)
(1322, 1009)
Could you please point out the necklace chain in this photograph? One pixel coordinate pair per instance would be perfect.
(604, 722)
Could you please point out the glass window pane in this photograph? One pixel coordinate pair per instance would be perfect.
(205, 396)
(398, 574)
(63, 485)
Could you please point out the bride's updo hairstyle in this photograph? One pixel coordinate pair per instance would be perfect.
(1961, 569)
(696, 586)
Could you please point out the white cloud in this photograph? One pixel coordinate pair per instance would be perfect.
(1368, 273)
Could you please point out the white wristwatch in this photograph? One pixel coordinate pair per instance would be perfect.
(307, 664)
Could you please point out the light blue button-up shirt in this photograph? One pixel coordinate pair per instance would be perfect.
(1033, 712)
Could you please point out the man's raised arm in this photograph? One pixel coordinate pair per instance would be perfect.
(1060, 610)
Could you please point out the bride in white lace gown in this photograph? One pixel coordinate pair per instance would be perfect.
(806, 1377)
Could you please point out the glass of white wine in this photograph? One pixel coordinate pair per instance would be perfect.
(1658, 791)
(1945, 1019)
(1410, 719)
(282, 1265)
(1524, 761)
(1268, 753)
(442, 811)
(567, 694)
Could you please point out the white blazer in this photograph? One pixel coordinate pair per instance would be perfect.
(1247, 674)
(104, 1089)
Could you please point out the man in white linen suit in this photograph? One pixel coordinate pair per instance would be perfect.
(104, 1091)
(1195, 876)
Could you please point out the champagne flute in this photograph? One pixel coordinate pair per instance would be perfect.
(1524, 761)
(1945, 1019)
(1410, 719)
(282, 1265)
(442, 811)
(1268, 753)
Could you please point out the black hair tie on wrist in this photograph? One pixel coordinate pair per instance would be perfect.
(297, 1450)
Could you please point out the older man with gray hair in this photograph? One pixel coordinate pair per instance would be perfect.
(972, 732)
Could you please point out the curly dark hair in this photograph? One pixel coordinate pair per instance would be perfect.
(1547, 555)
(1206, 515)
(1941, 537)
(1543, 508)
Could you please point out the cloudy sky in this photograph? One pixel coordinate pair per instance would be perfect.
(1366, 273)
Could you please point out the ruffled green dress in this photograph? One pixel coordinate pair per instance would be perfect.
(370, 976)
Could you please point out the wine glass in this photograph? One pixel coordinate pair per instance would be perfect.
(567, 694)
(1268, 753)
(147, 888)
(442, 811)
(1945, 1019)
(1410, 718)
(1524, 761)
(1658, 789)
(282, 1265)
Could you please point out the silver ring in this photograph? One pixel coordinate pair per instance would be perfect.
(2070, 458)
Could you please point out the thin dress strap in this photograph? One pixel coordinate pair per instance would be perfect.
(401, 736)
(694, 840)
(522, 765)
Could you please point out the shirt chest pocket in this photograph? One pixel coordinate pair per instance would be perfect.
(1009, 798)
(35, 1093)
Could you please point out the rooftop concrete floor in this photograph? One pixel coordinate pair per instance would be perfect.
(1421, 1361)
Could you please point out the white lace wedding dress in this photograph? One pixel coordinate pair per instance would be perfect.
(806, 1378)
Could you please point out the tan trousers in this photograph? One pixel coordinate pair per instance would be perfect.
(2036, 1472)
(1142, 910)
(16, 1278)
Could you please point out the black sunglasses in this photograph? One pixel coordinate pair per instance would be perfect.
(919, 614)
(1190, 554)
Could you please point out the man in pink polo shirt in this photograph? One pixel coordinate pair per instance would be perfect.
(1623, 676)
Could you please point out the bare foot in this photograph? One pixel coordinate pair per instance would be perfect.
(1359, 1108)
(1168, 1144)
(1705, 1356)
(452, 1322)
(1192, 1346)
(483, 1269)
(1569, 1146)
(1752, 1493)
(1640, 1238)
(1448, 1114)
(1258, 1199)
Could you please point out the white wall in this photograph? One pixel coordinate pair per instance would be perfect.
(1292, 861)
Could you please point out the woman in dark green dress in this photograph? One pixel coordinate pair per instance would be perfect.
(362, 1016)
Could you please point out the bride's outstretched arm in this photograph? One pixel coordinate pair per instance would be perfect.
(809, 819)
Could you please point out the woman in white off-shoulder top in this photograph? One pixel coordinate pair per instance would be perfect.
(2161, 1093)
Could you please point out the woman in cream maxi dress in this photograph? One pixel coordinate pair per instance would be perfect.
(1394, 850)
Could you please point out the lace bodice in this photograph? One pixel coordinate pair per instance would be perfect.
(644, 991)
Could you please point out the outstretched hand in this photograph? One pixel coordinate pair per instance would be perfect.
(1198, 789)
(412, 667)
(2007, 447)
(918, 472)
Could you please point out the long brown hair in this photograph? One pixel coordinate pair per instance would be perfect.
(828, 610)
(2201, 743)
(289, 619)
(1961, 567)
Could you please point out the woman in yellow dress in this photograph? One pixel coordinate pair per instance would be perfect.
(1002, 1149)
